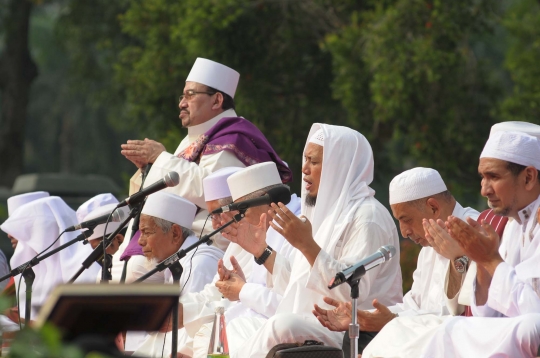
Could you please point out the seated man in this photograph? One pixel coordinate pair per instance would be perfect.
(415, 195)
(342, 224)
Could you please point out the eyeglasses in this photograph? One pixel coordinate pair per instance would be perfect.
(189, 94)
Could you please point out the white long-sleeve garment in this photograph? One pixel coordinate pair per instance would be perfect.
(349, 224)
(428, 291)
(199, 267)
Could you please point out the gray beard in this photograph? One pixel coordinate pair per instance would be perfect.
(499, 211)
(311, 200)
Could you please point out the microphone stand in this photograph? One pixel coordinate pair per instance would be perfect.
(176, 270)
(98, 251)
(182, 253)
(29, 275)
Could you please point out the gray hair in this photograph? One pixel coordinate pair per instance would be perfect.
(260, 192)
(444, 196)
(225, 201)
(166, 226)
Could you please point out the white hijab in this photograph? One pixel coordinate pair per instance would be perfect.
(36, 225)
(346, 173)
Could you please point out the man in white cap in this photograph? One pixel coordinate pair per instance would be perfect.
(254, 298)
(415, 195)
(165, 226)
(16, 201)
(508, 277)
(342, 223)
(217, 138)
(36, 225)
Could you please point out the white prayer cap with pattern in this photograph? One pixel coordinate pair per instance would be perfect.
(414, 184)
(15, 202)
(215, 185)
(253, 178)
(93, 203)
(317, 138)
(170, 207)
(514, 126)
(514, 147)
(214, 75)
(99, 230)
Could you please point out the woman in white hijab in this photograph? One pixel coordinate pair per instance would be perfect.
(36, 225)
(347, 225)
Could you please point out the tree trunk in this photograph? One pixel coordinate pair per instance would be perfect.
(17, 71)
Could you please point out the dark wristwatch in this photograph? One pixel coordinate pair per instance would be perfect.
(460, 264)
(265, 255)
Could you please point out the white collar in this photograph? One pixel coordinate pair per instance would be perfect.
(528, 212)
(190, 240)
(458, 211)
(195, 131)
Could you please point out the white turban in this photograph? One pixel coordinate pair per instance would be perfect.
(414, 184)
(524, 127)
(99, 230)
(253, 178)
(14, 202)
(514, 147)
(215, 185)
(215, 75)
(93, 203)
(170, 207)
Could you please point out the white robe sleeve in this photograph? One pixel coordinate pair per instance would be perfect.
(260, 299)
(281, 274)
(511, 294)
(356, 247)
(191, 174)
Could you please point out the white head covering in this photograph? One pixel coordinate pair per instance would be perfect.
(214, 75)
(14, 202)
(170, 207)
(317, 138)
(514, 147)
(215, 185)
(253, 178)
(416, 183)
(99, 230)
(525, 127)
(36, 225)
(93, 203)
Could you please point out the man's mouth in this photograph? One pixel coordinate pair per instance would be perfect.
(308, 184)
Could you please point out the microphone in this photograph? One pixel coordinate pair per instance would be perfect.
(116, 216)
(358, 270)
(275, 195)
(171, 179)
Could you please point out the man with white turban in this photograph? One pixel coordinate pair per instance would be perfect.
(165, 226)
(240, 284)
(415, 195)
(36, 225)
(217, 138)
(342, 223)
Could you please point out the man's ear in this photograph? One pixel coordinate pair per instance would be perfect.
(531, 177)
(434, 207)
(218, 101)
(177, 233)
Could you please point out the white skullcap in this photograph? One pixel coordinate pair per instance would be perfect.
(414, 184)
(317, 138)
(214, 75)
(215, 185)
(170, 207)
(93, 203)
(253, 178)
(14, 202)
(99, 231)
(514, 147)
(524, 127)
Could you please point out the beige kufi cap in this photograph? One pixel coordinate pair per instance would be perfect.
(214, 75)
(253, 178)
(524, 127)
(15, 202)
(514, 147)
(170, 207)
(99, 230)
(414, 184)
(215, 185)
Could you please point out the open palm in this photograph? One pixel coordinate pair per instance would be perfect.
(337, 319)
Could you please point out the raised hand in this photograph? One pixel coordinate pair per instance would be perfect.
(438, 237)
(479, 241)
(337, 319)
(251, 238)
(296, 230)
(142, 152)
(376, 320)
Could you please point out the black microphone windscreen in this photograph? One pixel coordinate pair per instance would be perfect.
(280, 194)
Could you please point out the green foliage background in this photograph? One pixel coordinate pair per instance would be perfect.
(423, 79)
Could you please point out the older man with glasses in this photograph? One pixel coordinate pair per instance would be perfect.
(217, 138)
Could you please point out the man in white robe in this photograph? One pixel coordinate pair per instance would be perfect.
(217, 138)
(165, 226)
(415, 195)
(342, 223)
